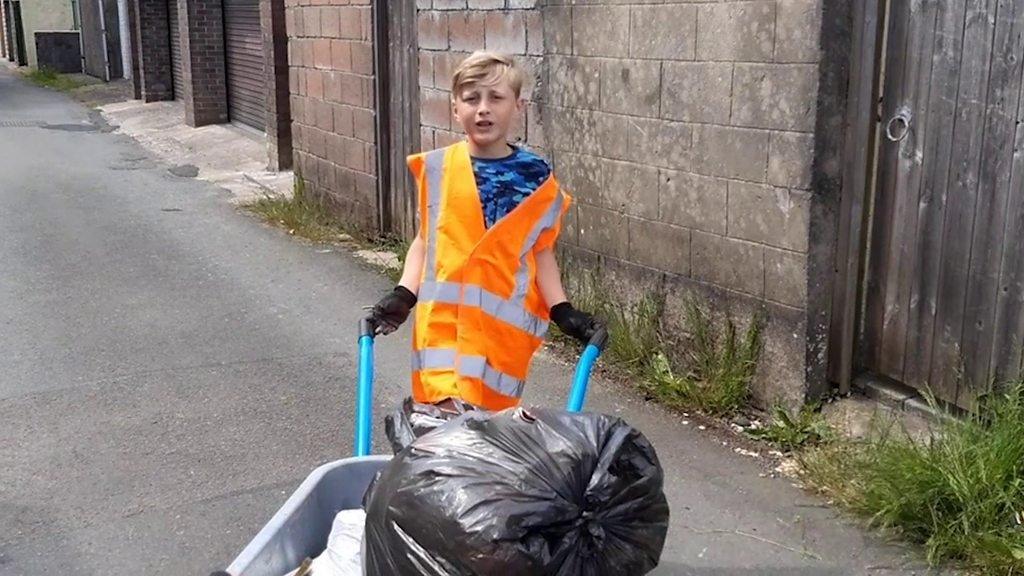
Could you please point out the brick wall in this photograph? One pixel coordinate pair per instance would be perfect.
(331, 82)
(202, 48)
(151, 27)
(275, 58)
(686, 133)
(5, 51)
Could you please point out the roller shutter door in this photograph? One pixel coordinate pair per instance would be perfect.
(243, 51)
(177, 72)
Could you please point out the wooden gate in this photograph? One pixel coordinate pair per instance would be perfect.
(396, 60)
(943, 290)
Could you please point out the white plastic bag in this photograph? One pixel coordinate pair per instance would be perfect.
(342, 556)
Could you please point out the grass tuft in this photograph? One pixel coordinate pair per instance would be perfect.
(791, 432)
(716, 370)
(961, 493)
(299, 215)
(49, 78)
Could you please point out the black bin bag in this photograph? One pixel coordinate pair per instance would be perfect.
(519, 492)
(413, 420)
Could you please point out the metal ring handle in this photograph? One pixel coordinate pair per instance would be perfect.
(901, 117)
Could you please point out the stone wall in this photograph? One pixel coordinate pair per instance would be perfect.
(693, 135)
(686, 133)
(331, 81)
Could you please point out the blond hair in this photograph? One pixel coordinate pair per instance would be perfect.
(487, 69)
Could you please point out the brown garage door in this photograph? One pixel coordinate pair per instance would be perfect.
(177, 72)
(243, 51)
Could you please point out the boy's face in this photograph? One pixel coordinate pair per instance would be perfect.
(486, 112)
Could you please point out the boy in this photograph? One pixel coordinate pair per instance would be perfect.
(482, 268)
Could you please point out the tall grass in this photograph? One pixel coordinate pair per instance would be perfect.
(713, 370)
(49, 78)
(961, 494)
(300, 215)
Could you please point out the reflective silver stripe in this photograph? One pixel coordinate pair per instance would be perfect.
(445, 292)
(433, 358)
(477, 367)
(435, 171)
(469, 367)
(504, 310)
(523, 273)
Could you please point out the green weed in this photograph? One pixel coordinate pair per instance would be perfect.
(961, 493)
(716, 371)
(299, 215)
(793, 432)
(49, 78)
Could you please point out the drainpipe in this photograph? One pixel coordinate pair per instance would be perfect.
(76, 5)
(103, 35)
(126, 45)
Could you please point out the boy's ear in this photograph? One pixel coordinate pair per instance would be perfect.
(520, 104)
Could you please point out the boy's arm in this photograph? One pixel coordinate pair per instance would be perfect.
(412, 273)
(569, 320)
(549, 278)
(393, 310)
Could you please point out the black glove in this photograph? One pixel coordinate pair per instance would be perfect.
(572, 322)
(393, 309)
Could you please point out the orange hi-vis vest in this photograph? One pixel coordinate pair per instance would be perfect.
(480, 316)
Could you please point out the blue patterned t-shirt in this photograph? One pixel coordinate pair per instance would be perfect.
(505, 182)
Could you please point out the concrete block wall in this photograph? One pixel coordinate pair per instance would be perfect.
(448, 31)
(686, 133)
(331, 82)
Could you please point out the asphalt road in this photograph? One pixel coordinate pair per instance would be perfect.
(170, 369)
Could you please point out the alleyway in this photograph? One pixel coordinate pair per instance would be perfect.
(170, 369)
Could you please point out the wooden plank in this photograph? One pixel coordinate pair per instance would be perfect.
(914, 104)
(1001, 108)
(961, 200)
(858, 154)
(403, 130)
(884, 202)
(937, 148)
(1009, 325)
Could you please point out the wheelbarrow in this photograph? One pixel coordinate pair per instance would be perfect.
(299, 530)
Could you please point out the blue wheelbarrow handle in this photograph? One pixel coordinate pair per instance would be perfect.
(580, 382)
(364, 390)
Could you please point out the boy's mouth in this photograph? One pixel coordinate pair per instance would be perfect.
(484, 124)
